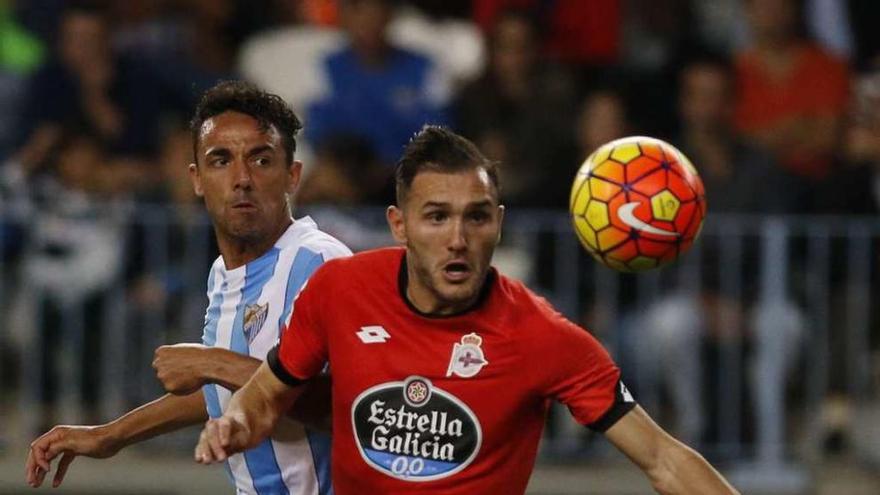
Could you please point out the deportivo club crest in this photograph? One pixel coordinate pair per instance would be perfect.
(254, 317)
(467, 357)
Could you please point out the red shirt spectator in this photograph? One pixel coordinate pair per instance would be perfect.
(814, 87)
(575, 31)
(791, 93)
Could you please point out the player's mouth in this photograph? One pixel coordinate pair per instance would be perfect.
(244, 206)
(456, 271)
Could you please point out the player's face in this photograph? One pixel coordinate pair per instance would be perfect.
(450, 224)
(243, 175)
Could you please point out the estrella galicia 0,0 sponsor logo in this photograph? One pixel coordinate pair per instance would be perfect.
(414, 431)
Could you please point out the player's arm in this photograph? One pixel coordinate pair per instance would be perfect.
(163, 415)
(184, 368)
(672, 467)
(250, 417)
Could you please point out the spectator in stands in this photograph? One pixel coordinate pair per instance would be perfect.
(733, 308)
(21, 53)
(603, 117)
(347, 175)
(739, 177)
(86, 87)
(188, 44)
(855, 188)
(791, 94)
(519, 113)
(572, 31)
(169, 247)
(72, 258)
(346, 172)
(376, 90)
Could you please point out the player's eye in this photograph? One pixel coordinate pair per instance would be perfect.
(436, 216)
(479, 216)
(263, 161)
(219, 161)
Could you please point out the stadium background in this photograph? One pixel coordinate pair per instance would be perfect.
(760, 347)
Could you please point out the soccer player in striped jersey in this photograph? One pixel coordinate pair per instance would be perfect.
(244, 142)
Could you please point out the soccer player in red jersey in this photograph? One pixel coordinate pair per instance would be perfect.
(443, 369)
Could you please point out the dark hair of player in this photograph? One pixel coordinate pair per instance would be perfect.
(435, 148)
(243, 97)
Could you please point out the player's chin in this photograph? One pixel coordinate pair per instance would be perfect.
(246, 228)
(459, 291)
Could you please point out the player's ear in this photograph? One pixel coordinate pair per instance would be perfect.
(196, 179)
(394, 215)
(294, 172)
(500, 221)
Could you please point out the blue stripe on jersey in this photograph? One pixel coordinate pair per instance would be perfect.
(260, 460)
(212, 400)
(212, 316)
(320, 446)
(209, 338)
(304, 265)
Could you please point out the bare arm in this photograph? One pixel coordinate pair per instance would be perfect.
(184, 368)
(163, 415)
(672, 467)
(250, 417)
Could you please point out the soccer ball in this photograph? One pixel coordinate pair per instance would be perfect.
(637, 203)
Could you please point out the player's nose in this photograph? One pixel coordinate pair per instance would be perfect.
(457, 236)
(241, 174)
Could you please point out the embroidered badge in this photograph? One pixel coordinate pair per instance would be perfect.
(254, 317)
(467, 357)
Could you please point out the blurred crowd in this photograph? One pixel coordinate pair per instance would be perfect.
(777, 103)
(781, 97)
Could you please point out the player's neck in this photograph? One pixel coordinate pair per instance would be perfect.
(237, 252)
(427, 304)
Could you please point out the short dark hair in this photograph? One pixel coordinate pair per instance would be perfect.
(243, 97)
(436, 148)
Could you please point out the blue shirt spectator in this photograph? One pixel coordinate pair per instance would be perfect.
(386, 105)
(377, 91)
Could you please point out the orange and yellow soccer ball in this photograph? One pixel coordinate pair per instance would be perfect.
(637, 203)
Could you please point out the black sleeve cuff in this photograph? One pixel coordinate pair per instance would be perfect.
(278, 369)
(623, 403)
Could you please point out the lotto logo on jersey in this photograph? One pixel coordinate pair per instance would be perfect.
(414, 431)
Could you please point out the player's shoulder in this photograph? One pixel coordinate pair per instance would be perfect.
(370, 262)
(216, 268)
(519, 296)
(533, 313)
(373, 270)
(305, 235)
(520, 303)
(540, 327)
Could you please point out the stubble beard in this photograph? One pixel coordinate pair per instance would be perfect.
(462, 293)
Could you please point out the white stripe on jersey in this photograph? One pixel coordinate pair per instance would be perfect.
(294, 461)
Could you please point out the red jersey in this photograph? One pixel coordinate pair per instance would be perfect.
(440, 404)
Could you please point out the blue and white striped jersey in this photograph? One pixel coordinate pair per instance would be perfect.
(248, 308)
